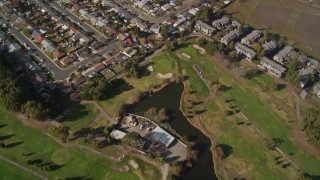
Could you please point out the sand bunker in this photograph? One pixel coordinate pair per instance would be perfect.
(201, 50)
(185, 55)
(150, 68)
(133, 164)
(164, 76)
(125, 168)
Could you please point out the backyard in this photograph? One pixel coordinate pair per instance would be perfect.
(293, 19)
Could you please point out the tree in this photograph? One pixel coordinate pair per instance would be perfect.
(202, 42)
(211, 48)
(165, 31)
(34, 109)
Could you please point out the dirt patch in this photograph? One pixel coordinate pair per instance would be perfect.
(201, 50)
(134, 164)
(301, 139)
(164, 76)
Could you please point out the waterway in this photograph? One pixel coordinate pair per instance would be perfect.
(169, 98)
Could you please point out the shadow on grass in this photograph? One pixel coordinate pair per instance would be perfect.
(79, 112)
(121, 86)
(2, 125)
(227, 150)
(79, 178)
(11, 145)
(5, 137)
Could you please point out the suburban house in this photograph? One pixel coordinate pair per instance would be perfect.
(306, 62)
(166, 7)
(57, 54)
(13, 47)
(243, 49)
(39, 38)
(67, 60)
(305, 76)
(272, 67)
(85, 39)
(251, 38)
(48, 45)
(269, 46)
(236, 24)
(232, 35)
(79, 80)
(221, 23)
(90, 72)
(204, 28)
(316, 89)
(82, 52)
(77, 36)
(99, 67)
(155, 29)
(94, 45)
(142, 26)
(129, 51)
(283, 56)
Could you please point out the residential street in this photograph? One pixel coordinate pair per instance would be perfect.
(78, 21)
(59, 73)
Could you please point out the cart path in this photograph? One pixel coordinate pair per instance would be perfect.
(22, 167)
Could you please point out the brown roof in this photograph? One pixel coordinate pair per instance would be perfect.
(121, 36)
(73, 28)
(79, 80)
(67, 60)
(99, 66)
(58, 53)
(40, 38)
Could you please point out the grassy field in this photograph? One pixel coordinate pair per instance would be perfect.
(273, 112)
(73, 161)
(297, 21)
(80, 117)
(9, 171)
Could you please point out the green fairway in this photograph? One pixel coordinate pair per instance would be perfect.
(71, 161)
(9, 172)
(80, 117)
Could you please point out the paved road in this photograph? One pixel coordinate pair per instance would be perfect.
(155, 20)
(77, 20)
(22, 167)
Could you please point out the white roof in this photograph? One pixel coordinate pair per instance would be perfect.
(116, 134)
(161, 135)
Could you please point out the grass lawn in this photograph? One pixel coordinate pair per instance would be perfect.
(74, 162)
(80, 117)
(9, 171)
(293, 19)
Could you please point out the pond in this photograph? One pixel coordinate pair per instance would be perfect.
(169, 98)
